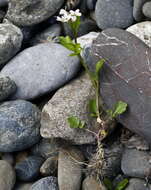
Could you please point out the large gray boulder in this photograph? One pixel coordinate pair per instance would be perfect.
(31, 12)
(41, 69)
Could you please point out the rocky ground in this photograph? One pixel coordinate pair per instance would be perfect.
(41, 86)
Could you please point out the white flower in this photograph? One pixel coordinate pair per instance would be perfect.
(63, 12)
(99, 120)
(75, 13)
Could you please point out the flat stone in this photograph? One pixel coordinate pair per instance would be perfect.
(20, 123)
(41, 69)
(147, 9)
(137, 9)
(7, 176)
(47, 183)
(70, 100)
(142, 30)
(10, 42)
(127, 78)
(138, 184)
(31, 12)
(69, 171)
(28, 170)
(110, 14)
(136, 163)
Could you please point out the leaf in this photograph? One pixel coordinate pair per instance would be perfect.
(122, 184)
(75, 122)
(92, 107)
(67, 42)
(99, 66)
(110, 112)
(107, 182)
(119, 108)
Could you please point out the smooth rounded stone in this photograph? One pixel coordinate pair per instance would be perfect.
(47, 183)
(48, 35)
(147, 9)
(49, 167)
(8, 157)
(127, 78)
(115, 13)
(41, 69)
(91, 4)
(31, 12)
(142, 30)
(69, 169)
(70, 100)
(136, 163)
(7, 176)
(23, 186)
(137, 9)
(10, 42)
(87, 25)
(7, 87)
(28, 170)
(138, 184)
(20, 123)
(90, 183)
(3, 3)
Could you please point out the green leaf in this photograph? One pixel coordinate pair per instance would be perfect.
(119, 108)
(75, 122)
(92, 107)
(110, 112)
(67, 42)
(107, 182)
(99, 66)
(122, 184)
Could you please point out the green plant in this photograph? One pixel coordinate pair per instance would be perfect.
(120, 186)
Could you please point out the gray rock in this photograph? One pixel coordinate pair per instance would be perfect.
(137, 9)
(47, 183)
(138, 184)
(10, 42)
(8, 157)
(142, 30)
(136, 163)
(91, 4)
(30, 12)
(28, 170)
(7, 176)
(69, 169)
(115, 13)
(147, 9)
(127, 78)
(41, 69)
(49, 167)
(7, 88)
(23, 186)
(71, 100)
(3, 3)
(48, 35)
(20, 123)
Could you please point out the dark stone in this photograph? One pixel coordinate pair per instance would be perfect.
(147, 9)
(20, 123)
(127, 78)
(91, 4)
(28, 170)
(138, 184)
(137, 10)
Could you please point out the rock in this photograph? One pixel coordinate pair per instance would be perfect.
(21, 156)
(142, 30)
(71, 4)
(28, 170)
(31, 12)
(3, 3)
(147, 9)
(138, 184)
(71, 100)
(136, 163)
(7, 176)
(7, 88)
(90, 183)
(8, 157)
(69, 169)
(20, 123)
(41, 69)
(47, 183)
(23, 186)
(10, 42)
(91, 4)
(131, 68)
(114, 13)
(137, 9)
(49, 167)
(48, 35)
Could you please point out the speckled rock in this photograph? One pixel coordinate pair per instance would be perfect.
(47, 183)
(71, 100)
(111, 14)
(10, 42)
(69, 171)
(137, 10)
(20, 123)
(142, 30)
(30, 12)
(147, 9)
(7, 176)
(138, 184)
(41, 69)
(28, 170)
